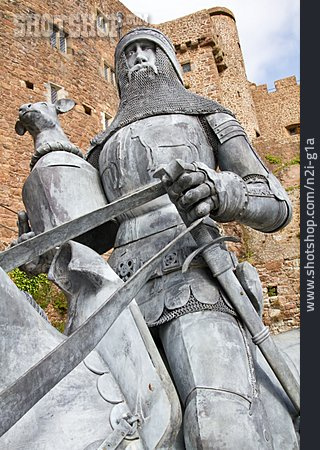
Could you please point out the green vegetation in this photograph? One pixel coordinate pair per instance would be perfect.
(45, 293)
(295, 160)
(38, 286)
(292, 188)
(60, 303)
(272, 291)
(273, 159)
(277, 161)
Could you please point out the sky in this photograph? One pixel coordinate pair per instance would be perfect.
(268, 30)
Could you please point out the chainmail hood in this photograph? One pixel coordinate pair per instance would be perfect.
(154, 36)
(148, 94)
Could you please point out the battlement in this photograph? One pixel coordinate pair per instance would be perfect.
(286, 82)
(280, 85)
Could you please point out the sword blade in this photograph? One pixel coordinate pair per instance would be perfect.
(40, 244)
(268, 348)
(24, 393)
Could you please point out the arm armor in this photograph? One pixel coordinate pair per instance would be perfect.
(247, 191)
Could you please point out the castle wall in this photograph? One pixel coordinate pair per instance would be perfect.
(195, 45)
(235, 88)
(278, 108)
(212, 46)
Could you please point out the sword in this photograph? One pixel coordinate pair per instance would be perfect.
(38, 245)
(25, 392)
(221, 267)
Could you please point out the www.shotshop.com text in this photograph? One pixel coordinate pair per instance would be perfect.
(309, 240)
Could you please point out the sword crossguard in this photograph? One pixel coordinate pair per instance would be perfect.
(173, 170)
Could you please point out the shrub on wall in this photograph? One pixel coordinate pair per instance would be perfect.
(45, 293)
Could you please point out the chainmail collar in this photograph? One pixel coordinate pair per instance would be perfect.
(148, 94)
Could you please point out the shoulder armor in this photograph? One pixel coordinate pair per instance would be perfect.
(225, 126)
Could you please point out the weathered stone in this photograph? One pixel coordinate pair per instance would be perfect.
(275, 313)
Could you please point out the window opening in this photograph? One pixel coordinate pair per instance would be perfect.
(186, 67)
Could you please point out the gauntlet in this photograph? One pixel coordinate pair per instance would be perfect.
(255, 200)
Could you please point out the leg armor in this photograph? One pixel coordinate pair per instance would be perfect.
(221, 400)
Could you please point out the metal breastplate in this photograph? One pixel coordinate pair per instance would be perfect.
(130, 158)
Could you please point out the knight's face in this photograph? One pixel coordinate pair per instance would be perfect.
(140, 55)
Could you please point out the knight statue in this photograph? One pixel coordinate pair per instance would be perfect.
(228, 395)
(207, 349)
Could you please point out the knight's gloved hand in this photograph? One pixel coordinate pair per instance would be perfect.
(197, 190)
(41, 263)
(190, 189)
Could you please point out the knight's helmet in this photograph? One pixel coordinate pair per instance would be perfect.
(164, 51)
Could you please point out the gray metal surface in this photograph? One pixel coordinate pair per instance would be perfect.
(289, 344)
(148, 93)
(146, 385)
(151, 132)
(57, 178)
(270, 351)
(59, 362)
(73, 414)
(38, 245)
(127, 348)
(119, 433)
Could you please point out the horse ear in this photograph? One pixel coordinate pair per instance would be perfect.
(64, 105)
(20, 129)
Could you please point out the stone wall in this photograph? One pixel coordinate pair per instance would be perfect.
(278, 108)
(194, 44)
(212, 47)
(278, 258)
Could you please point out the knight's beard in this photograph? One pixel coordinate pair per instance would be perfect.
(146, 67)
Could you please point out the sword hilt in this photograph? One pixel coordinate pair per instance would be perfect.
(169, 173)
